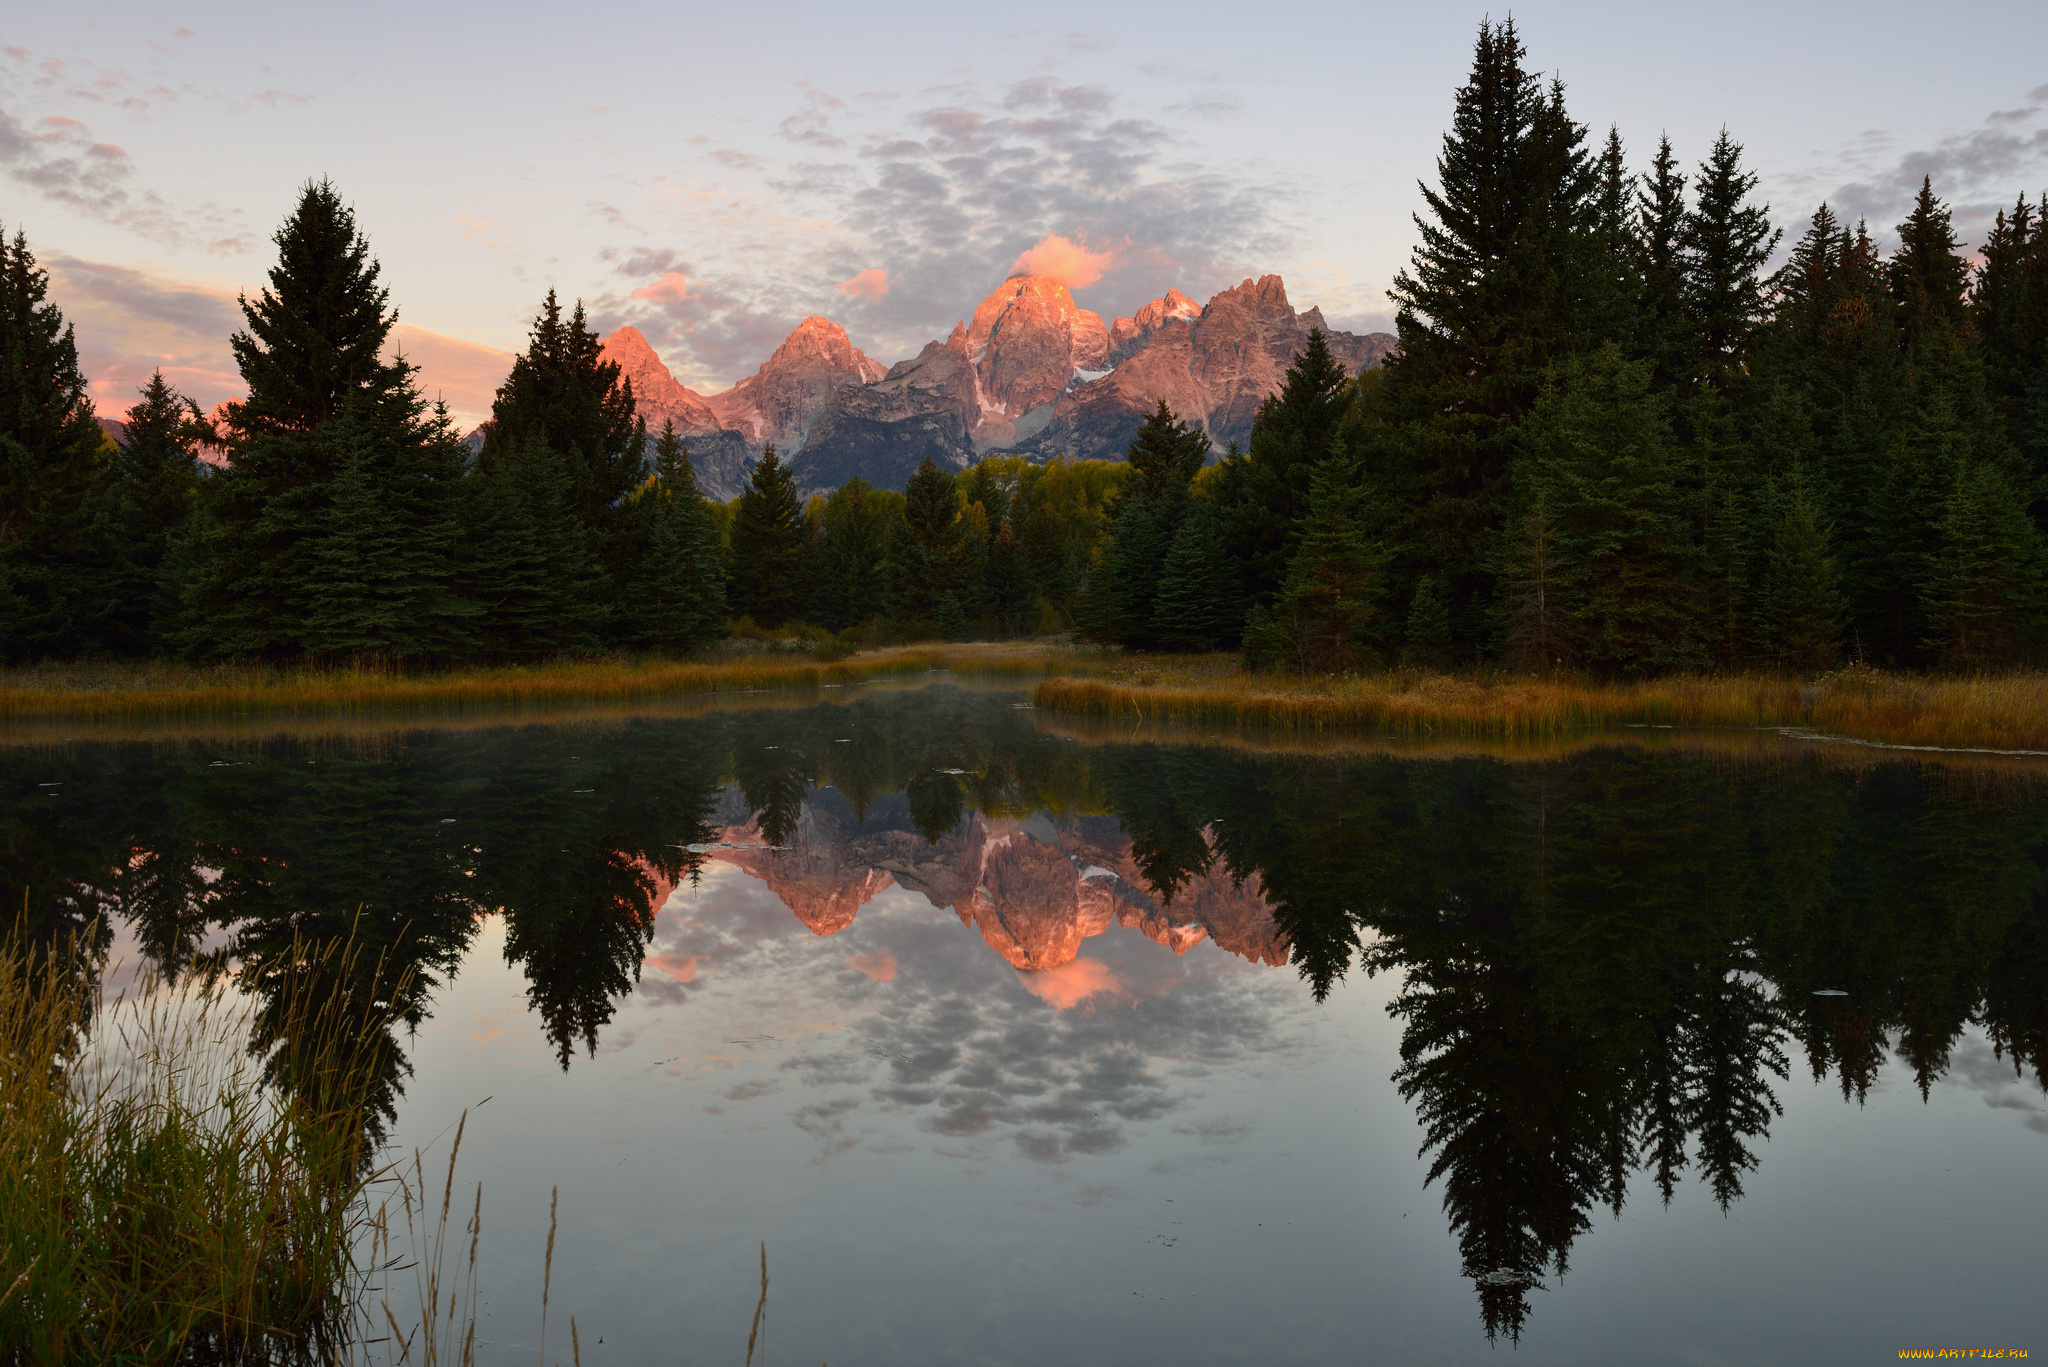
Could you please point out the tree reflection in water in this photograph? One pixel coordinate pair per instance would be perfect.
(1604, 959)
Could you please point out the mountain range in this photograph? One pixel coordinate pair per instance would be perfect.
(1031, 373)
(1032, 888)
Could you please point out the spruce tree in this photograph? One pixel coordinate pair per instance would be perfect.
(1427, 639)
(856, 553)
(1503, 282)
(1012, 594)
(1801, 611)
(160, 475)
(1668, 337)
(1166, 453)
(563, 392)
(61, 561)
(357, 604)
(1985, 580)
(2009, 306)
(1261, 495)
(527, 565)
(1533, 626)
(1926, 277)
(316, 335)
(1327, 617)
(1600, 456)
(1723, 244)
(680, 587)
(768, 542)
(1200, 602)
(927, 557)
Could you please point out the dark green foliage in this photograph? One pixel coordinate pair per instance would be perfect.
(528, 562)
(858, 528)
(766, 562)
(928, 555)
(1927, 277)
(1012, 592)
(316, 335)
(1326, 619)
(1722, 246)
(1501, 285)
(160, 475)
(1668, 338)
(60, 570)
(1123, 586)
(1427, 642)
(1166, 453)
(1801, 615)
(1985, 576)
(1260, 496)
(1600, 457)
(1199, 604)
(680, 587)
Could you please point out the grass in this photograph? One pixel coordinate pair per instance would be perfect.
(157, 1201)
(154, 691)
(2001, 712)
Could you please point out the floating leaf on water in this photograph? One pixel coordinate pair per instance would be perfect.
(952, 771)
(1829, 992)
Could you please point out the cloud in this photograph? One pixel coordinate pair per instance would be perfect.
(669, 288)
(1067, 986)
(939, 196)
(1978, 172)
(872, 283)
(1067, 262)
(879, 967)
(59, 158)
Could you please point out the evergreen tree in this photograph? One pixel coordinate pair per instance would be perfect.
(315, 336)
(528, 565)
(1502, 284)
(60, 558)
(1926, 276)
(1722, 246)
(1012, 593)
(1199, 604)
(2009, 307)
(1166, 453)
(1668, 337)
(856, 551)
(1614, 308)
(1261, 495)
(768, 543)
(1326, 619)
(1801, 617)
(1985, 580)
(160, 475)
(1600, 457)
(356, 603)
(1533, 632)
(1428, 636)
(925, 559)
(564, 393)
(1146, 514)
(681, 584)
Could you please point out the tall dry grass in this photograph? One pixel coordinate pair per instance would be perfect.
(163, 690)
(158, 1202)
(2003, 712)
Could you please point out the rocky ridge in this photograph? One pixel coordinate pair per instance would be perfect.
(1031, 372)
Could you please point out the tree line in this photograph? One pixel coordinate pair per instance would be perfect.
(1611, 440)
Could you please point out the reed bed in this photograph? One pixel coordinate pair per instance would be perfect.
(2002, 712)
(163, 691)
(158, 1201)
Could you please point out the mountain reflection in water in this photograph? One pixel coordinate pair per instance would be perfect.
(1604, 962)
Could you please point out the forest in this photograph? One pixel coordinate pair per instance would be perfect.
(1615, 440)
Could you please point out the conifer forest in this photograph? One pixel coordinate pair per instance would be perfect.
(1630, 429)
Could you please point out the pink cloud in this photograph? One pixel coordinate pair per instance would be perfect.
(872, 283)
(1069, 263)
(466, 374)
(681, 967)
(669, 289)
(1070, 984)
(880, 966)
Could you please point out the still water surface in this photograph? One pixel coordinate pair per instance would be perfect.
(1023, 1046)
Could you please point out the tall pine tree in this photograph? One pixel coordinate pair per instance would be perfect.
(768, 542)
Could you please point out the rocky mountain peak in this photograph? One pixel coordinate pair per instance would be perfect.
(778, 402)
(1026, 341)
(660, 398)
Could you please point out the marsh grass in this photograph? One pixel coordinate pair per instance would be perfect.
(165, 690)
(159, 1201)
(1999, 712)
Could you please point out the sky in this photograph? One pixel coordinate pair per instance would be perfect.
(714, 175)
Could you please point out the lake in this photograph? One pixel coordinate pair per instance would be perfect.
(1020, 1043)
